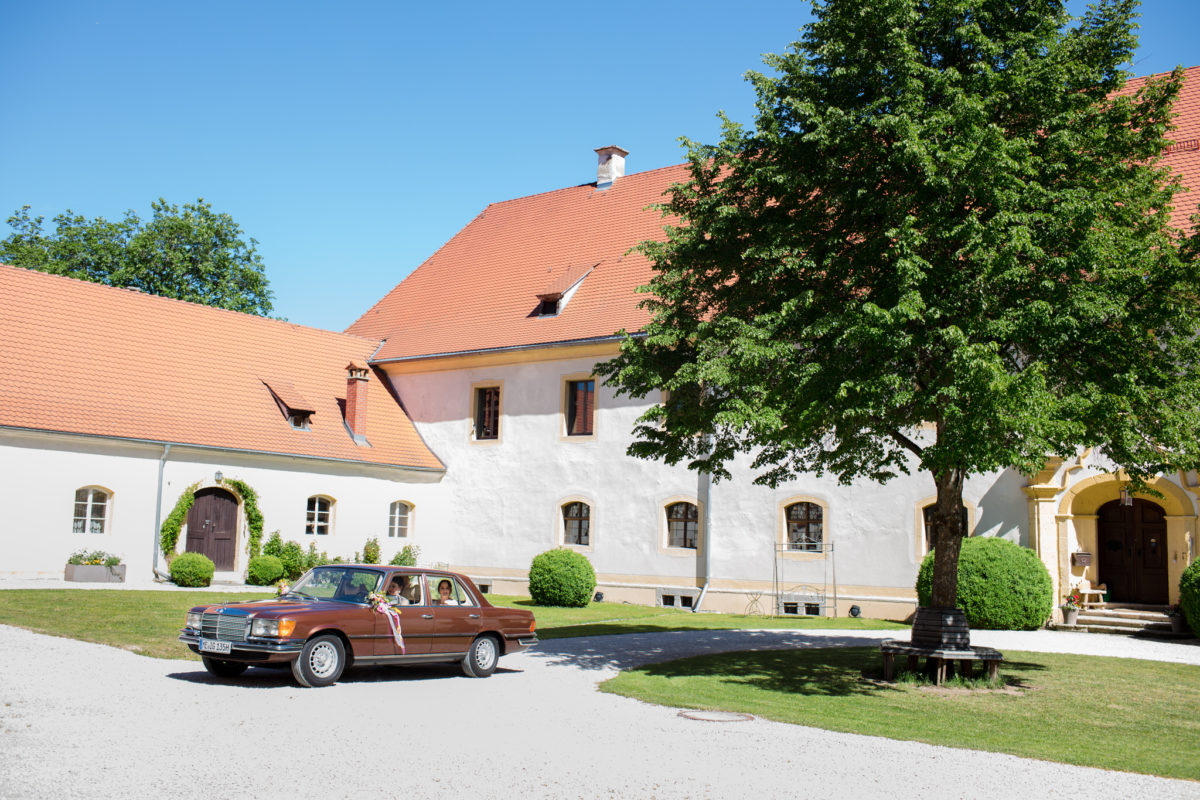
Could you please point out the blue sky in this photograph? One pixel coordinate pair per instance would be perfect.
(353, 139)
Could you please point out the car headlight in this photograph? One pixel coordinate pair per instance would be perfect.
(275, 628)
(264, 627)
(193, 620)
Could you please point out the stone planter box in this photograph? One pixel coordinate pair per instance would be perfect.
(94, 573)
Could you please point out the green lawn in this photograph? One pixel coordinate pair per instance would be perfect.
(148, 622)
(597, 619)
(1113, 713)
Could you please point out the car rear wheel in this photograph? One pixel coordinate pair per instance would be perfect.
(223, 669)
(321, 662)
(482, 658)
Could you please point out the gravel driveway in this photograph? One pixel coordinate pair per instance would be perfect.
(83, 720)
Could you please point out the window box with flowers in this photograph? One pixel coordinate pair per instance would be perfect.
(94, 566)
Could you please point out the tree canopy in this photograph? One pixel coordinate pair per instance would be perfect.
(944, 245)
(193, 254)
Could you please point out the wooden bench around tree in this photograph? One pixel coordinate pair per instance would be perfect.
(938, 659)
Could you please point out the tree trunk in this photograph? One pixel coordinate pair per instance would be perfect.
(947, 538)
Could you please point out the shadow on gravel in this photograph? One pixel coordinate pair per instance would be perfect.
(264, 678)
(634, 650)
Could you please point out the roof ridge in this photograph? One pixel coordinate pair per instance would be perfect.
(199, 306)
(581, 185)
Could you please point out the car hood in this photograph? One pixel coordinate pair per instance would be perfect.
(282, 607)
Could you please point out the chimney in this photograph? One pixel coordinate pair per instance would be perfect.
(611, 166)
(356, 402)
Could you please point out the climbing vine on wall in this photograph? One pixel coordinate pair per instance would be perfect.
(169, 533)
(173, 524)
(254, 517)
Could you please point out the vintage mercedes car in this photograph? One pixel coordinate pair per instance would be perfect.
(326, 622)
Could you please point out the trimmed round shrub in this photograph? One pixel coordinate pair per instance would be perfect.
(264, 570)
(1189, 595)
(291, 555)
(1001, 585)
(192, 569)
(561, 577)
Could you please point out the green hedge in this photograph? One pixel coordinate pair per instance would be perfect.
(1001, 585)
(561, 577)
(407, 557)
(264, 570)
(371, 552)
(192, 569)
(1189, 595)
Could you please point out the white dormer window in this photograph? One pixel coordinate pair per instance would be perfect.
(298, 420)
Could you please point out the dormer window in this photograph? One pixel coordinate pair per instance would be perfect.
(295, 409)
(561, 284)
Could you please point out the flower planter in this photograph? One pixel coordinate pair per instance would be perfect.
(94, 573)
(1070, 616)
(1177, 625)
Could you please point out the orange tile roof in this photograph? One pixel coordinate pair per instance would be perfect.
(478, 291)
(84, 358)
(1184, 155)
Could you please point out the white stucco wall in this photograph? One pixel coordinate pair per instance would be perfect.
(40, 473)
(502, 499)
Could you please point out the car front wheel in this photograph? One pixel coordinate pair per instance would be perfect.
(321, 662)
(482, 658)
(223, 669)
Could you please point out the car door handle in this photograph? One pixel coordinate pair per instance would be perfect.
(427, 616)
(473, 616)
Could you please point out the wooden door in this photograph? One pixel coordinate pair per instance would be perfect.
(1133, 551)
(212, 527)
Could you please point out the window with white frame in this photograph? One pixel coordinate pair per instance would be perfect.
(398, 514)
(683, 525)
(319, 518)
(91, 510)
(805, 527)
(577, 522)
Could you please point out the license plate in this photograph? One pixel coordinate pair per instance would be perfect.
(212, 646)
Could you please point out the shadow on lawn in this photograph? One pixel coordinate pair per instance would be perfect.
(661, 643)
(838, 672)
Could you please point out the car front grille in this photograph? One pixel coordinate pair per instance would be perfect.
(227, 627)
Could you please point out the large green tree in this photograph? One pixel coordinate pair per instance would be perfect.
(944, 246)
(193, 254)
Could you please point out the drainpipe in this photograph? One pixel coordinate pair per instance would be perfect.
(162, 463)
(703, 493)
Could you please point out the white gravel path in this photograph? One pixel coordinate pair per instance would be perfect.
(83, 720)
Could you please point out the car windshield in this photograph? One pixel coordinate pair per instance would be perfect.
(348, 584)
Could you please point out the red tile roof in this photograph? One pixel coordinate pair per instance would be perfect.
(84, 358)
(480, 289)
(478, 292)
(1183, 156)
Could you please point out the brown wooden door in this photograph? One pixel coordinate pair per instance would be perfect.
(212, 526)
(1133, 551)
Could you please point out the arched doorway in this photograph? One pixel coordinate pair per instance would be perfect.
(212, 526)
(1132, 541)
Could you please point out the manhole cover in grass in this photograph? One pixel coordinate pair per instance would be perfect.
(717, 716)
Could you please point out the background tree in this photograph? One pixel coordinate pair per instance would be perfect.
(944, 246)
(192, 254)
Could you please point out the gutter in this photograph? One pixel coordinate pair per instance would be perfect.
(704, 492)
(509, 349)
(431, 470)
(162, 464)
